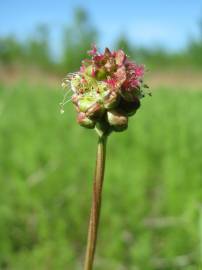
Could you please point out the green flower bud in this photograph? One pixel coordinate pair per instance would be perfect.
(118, 121)
(84, 121)
(90, 71)
(129, 108)
(85, 103)
(101, 74)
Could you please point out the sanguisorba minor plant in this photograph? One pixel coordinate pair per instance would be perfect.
(106, 91)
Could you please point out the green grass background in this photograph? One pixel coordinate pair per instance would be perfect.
(152, 200)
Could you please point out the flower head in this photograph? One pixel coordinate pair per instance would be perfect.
(106, 90)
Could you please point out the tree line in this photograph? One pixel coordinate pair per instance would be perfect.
(77, 39)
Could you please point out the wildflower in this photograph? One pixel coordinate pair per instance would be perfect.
(106, 90)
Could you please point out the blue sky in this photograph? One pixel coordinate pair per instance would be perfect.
(149, 23)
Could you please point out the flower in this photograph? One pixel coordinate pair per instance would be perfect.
(106, 90)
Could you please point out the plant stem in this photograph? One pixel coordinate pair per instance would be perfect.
(96, 203)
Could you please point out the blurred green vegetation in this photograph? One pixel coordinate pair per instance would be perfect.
(151, 216)
(76, 40)
(152, 201)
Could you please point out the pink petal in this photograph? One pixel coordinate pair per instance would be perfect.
(93, 51)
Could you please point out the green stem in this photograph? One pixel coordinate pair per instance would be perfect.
(96, 203)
